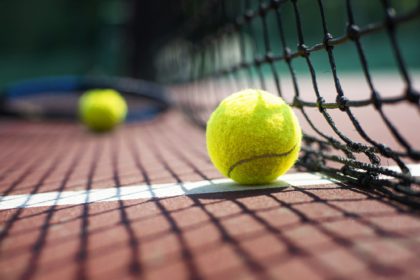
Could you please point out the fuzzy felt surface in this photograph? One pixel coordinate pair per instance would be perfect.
(102, 109)
(253, 137)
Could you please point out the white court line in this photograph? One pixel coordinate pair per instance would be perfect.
(159, 191)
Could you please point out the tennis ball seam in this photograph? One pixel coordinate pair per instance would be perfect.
(243, 161)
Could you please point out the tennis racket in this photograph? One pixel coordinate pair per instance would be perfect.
(56, 97)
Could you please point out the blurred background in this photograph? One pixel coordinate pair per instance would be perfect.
(49, 37)
(123, 37)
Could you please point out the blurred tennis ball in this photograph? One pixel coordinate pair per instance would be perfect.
(253, 137)
(102, 109)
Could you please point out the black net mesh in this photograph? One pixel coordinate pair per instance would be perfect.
(303, 51)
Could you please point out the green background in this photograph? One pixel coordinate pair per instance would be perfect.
(55, 37)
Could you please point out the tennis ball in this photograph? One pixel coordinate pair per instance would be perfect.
(102, 109)
(253, 137)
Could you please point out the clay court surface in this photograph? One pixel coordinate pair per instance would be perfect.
(318, 230)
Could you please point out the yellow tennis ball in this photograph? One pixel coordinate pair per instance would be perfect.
(253, 137)
(102, 109)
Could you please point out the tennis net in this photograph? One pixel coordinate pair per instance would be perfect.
(323, 58)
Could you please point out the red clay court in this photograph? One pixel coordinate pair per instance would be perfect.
(322, 230)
